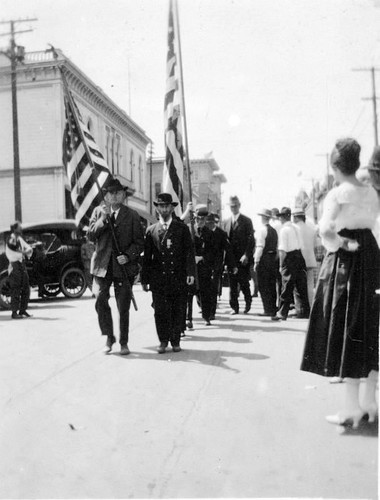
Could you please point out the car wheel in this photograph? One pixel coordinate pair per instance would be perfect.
(73, 283)
(5, 293)
(50, 290)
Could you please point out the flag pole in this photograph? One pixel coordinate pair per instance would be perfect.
(176, 17)
(80, 132)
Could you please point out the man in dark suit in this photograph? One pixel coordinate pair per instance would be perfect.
(205, 254)
(168, 266)
(115, 261)
(266, 263)
(240, 231)
(223, 255)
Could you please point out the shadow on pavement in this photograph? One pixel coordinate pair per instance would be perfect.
(365, 429)
(216, 339)
(210, 357)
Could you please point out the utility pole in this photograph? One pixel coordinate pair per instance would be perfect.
(16, 54)
(373, 99)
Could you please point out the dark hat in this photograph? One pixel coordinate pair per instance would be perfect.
(165, 199)
(275, 212)
(265, 212)
(285, 212)
(374, 162)
(114, 185)
(298, 211)
(234, 200)
(212, 218)
(201, 210)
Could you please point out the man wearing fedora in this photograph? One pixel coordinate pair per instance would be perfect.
(240, 231)
(115, 259)
(168, 267)
(292, 268)
(266, 263)
(308, 234)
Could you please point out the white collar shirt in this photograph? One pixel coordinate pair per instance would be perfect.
(289, 239)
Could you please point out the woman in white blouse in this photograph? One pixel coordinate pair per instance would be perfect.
(343, 333)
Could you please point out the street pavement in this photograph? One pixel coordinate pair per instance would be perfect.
(229, 416)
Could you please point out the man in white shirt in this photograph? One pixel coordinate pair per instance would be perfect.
(292, 268)
(308, 235)
(16, 251)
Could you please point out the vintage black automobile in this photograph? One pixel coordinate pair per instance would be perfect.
(55, 266)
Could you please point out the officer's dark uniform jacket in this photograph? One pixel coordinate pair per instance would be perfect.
(168, 257)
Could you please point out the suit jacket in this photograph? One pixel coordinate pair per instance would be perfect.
(130, 238)
(205, 246)
(241, 237)
(168, 258)
(223, 250)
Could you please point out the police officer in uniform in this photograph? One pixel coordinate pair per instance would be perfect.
(168, 266)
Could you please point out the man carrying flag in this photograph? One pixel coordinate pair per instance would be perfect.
(119, 238)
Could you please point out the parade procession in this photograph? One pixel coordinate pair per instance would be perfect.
(189, 249)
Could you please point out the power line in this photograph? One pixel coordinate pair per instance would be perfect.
(373, 98)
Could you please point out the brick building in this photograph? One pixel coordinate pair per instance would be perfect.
(41, 118)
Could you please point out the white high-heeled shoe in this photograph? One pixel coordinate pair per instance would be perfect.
(372, 410)
(346, 418)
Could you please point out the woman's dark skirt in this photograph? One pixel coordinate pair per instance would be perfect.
(343, 333)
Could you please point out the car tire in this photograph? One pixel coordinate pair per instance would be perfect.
(5, 296)
(49, 290)
(73, 282)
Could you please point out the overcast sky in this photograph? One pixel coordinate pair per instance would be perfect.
(269, 85)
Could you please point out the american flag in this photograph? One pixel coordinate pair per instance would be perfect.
(87, 171)
(173, 176)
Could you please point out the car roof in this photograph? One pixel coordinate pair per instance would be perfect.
(69, 224)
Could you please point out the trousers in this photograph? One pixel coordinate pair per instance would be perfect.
(240, 281)
(123, 294)
(293, 274)
(19, 287)
(267, 271)
(169, 313)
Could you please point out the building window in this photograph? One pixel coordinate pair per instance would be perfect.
(89, 125)
(132, 165)
(117, 153)
(108, 146)
(140, 176)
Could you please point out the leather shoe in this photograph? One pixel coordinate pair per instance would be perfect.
(247, 309)
(189, 324)
(15, 315)
(24, 314)
(124, 351)
(161, 349)
(108, 347)
(176, 348)
(207, 322)
(232, 313)
(275, 318)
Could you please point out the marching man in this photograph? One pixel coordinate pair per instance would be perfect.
(168, 266)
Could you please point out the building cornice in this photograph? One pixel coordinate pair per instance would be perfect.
(37, 64)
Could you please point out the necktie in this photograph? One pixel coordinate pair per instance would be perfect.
(113, 217)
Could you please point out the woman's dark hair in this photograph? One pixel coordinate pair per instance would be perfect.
(346, 156)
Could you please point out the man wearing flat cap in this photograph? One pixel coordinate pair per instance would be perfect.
(205, 254)
(223, 256)
(115, 259)
(266, 263)
(240, 231)
(168, 267)
(292, 268)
